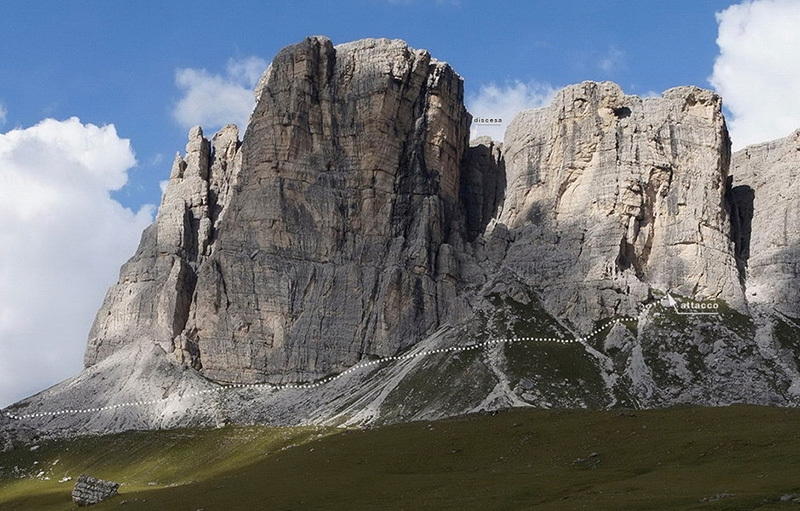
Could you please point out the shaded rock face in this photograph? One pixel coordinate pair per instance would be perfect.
(765, 190)
(483, 185)
(611, 195)
(341, 231)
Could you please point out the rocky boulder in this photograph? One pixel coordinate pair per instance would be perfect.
(89, 490)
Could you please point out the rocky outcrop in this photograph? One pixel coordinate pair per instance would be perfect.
(610, 196)
(343, 229)
(151, 301)
(483, 185)
(355, 221)
(89, 490)
(765, 190)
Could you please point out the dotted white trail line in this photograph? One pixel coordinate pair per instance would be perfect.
(222, 388)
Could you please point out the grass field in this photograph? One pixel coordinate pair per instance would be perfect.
(740, 457)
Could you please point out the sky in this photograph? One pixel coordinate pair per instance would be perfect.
(96, 97)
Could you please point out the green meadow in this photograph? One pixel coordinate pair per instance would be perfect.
(733, 458)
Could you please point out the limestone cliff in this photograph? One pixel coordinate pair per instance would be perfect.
(359, 255)
(345, 202)
(347, 210)
(610, 196)
(151, 301)
(766, 193)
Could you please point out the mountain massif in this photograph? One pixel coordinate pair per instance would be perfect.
(356, 259)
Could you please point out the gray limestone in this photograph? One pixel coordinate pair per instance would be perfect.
(766, 193)
(151, 301)
(356, 221)
(89, 490)
(352, 183)
(610, 196)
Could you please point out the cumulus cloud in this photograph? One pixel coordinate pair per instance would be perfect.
(757, 71)
(61, 245)
(3, 114)
(213, 100)
(505, 102)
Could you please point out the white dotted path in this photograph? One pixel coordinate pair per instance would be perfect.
(453, 349)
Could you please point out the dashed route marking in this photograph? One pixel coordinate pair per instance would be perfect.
(453, 349)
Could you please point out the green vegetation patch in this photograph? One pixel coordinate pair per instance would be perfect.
(741, 457)
(509, 318)
(675, 345)
(787, 333)
(543, 372)
(140, 460)
(551, 374)
(452, 382)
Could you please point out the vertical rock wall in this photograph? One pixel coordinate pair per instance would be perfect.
(355, 219)
(766, 193)
(611, 195)
(337, 245)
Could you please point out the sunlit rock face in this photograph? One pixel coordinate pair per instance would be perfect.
(355, 233)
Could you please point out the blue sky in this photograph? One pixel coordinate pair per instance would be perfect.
(115, 62)
(97, 96)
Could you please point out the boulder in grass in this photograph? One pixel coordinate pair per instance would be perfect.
(89, 490)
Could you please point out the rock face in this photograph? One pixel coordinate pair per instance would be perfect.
(765, 191)
(89, 491)
(356, 221)
(611, 196)
(343, 229)
(152, 298)
(483, 184)
(340, 230)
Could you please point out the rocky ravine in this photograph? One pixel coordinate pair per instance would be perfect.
(356, 221)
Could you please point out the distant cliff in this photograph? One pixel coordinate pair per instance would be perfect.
(355, 233)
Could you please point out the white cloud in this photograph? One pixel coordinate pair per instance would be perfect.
(3, 114)
(213, 100)
(757, 71)
(61, 245)
(505, 102)
(612, 60)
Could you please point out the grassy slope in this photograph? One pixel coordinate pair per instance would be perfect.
(662, 459)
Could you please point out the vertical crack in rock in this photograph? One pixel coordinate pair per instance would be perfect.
(763, 194)
(483, 184)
